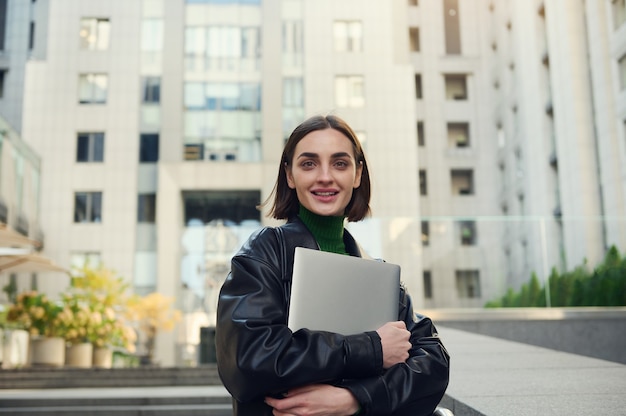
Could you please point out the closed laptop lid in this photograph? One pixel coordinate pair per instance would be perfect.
(342, 294)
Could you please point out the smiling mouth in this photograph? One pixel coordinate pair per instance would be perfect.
(324, 193)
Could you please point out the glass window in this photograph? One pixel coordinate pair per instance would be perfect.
(293, 92)
(452, 27)
(418, 86)
(423, 183)
(92, 88)
(462, 181)
(468, 283)
(350, 91)
(428, 284)
(2, 77)
(425, 233)
(151, 87)
(414, 39)
(3, 22)
(235, 206)
(421, 140)
(293, 44)
(78, 260)
(152, 35)
(467, 233)
(458, 135)
(348, 36)
(95, 33)
(90, 147)
(145, 276)
(456, 87)
(146, 208)
(87, 207)
(149, 147)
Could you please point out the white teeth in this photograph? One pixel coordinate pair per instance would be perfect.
(325, 193)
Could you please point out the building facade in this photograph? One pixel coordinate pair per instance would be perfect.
(497, 149)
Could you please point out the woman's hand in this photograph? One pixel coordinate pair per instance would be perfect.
(315, 400)
(394, 338)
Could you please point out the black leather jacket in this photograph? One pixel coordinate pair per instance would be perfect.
(257, 354)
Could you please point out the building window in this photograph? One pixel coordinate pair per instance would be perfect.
(152, 35)
(90, 147)
(619, 13)
(452, 27)
(423, 183)
(146, 208)
(456, 87)
(3, 73)
(458, 135)
(235, 206)
(94, 34)
(428, 284)
(468, 284)
(467, 233)
(348, 36)
(223, 120)
(350, 91)
(219, 48)
(88, 207)
(3, 22)
(149, 148)
(31, 36)
(622, 71)
(292, 44)
(92, 88)
(421, 140)
(418, 86)
(425, 233)
(79, 260)
(462, 181)
(414, 39)
(194, 151)
(293, 104)
(151, 90)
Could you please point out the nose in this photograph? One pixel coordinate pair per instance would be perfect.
(324, 174)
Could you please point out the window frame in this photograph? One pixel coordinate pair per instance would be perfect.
(93, 207)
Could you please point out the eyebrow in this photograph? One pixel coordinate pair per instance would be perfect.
(315, 155)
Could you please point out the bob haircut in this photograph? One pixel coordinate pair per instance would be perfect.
(286, 204)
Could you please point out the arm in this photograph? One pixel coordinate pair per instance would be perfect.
(419, 383)
(258, 355)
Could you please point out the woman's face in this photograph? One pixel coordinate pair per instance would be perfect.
(324, 172)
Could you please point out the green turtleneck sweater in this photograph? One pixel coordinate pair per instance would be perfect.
(328, 231)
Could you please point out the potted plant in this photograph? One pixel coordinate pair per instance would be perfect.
(37, 314)
(152, 313)
(97, 298)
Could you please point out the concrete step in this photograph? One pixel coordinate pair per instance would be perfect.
(46, 377)
(121, 401)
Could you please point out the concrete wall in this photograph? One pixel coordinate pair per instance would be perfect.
(592, 332)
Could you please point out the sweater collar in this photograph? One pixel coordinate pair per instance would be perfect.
(328, 231)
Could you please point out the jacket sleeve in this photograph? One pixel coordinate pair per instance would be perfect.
(414, 387)
(257, 354)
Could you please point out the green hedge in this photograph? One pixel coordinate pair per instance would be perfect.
(604, 286)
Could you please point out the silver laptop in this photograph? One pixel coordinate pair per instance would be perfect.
(342, 294)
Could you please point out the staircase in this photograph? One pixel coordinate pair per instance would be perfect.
(149, 391)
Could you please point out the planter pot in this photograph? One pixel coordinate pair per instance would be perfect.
(15, 348)
(47, 351)
(102, 357)
(79, 355)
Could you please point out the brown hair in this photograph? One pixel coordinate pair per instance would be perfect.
(286, 202)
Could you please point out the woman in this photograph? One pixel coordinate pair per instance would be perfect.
(400, 368)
